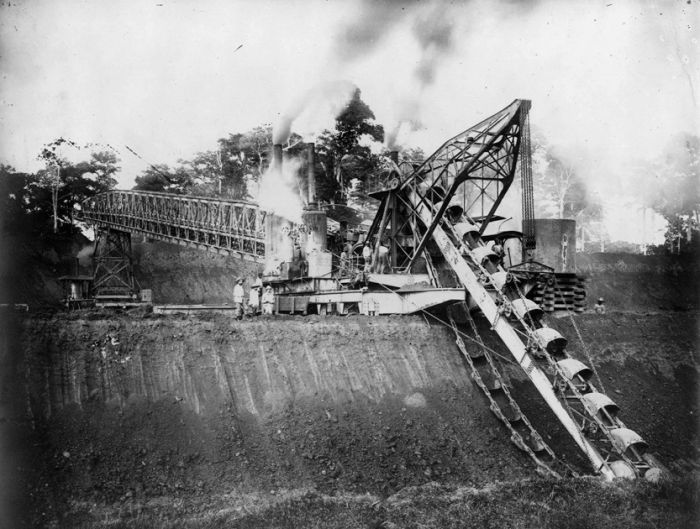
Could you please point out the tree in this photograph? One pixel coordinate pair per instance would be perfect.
(342, 153)
(227, 171)
(413, 155)
(559, 190)
(244, 158)
(51, 177)
(15, 206)
(103, 164)
(162, 178)
(672, 188)
(63, 184)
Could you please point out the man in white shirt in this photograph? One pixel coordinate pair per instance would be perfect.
(238, 297)
(367, 256)
(268, 300)
(254, 296)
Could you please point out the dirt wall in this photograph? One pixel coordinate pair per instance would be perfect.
(154, 406)
(117, 407)
(178, 274)
(630, 282)
(627, 282)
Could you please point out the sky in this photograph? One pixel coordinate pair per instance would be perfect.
(610, 82)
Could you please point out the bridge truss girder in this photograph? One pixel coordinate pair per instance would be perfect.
(224, 226)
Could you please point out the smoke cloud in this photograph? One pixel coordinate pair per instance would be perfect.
(314, 111)
(434, 33)
(85, 255)
(432, 29)
(372, 24)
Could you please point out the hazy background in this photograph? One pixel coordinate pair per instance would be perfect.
(611, 82)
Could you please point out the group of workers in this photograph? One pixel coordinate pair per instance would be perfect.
(255, 296)
(374, 260)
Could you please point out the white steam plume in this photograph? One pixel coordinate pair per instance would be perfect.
(374, 20)
(431, 28)
(433, 31)
(85, 255)
(314, 111)
(278, 192)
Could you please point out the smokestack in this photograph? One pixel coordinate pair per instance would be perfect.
(311, 172)
(277, 156)
(394, 156)
(77, 266)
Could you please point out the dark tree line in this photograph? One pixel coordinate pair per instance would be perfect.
(47, 200)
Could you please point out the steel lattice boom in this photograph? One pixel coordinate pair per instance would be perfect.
(474, 169)
(219, 225)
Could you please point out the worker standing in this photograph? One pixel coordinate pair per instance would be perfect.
(254, 296)
(599, 307)
(383, 259)
(367, 256)
(238, 297)
(343, 264)
(268, 300)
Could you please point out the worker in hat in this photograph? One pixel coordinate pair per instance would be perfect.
(268, 300)
(599, 307)
(238, 297)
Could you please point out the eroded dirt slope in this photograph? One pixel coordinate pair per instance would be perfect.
(184, 275)
(155, 406)
(126, 407)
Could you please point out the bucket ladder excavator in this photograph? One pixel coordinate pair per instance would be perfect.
(433, 221)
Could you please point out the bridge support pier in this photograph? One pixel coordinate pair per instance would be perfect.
(113, 278)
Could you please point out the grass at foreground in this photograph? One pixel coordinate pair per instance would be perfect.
(582, 503)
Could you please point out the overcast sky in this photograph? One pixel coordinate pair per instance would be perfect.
(610, 81)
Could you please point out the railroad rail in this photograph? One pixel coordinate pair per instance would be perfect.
(224, 226)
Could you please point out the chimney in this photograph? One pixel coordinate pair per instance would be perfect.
(277, 156)
(394, 156)
(77, 266)
(311, 172)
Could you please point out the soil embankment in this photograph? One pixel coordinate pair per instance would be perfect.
(632, 282)
(186, 275)
(124, 407)
(145, 407)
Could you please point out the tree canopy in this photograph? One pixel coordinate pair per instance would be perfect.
(49, 197)
(344, 152)
(228, 171)
(560, 191)
(670, 185)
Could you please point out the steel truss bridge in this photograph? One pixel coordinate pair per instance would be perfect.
(230, 227)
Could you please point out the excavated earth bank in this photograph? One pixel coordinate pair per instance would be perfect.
(101, 409)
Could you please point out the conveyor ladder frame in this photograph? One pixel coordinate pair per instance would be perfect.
(520, 421)
(510, 338)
